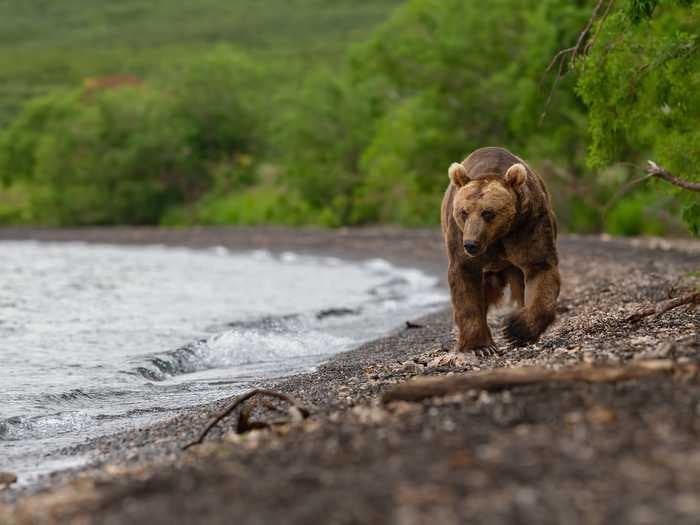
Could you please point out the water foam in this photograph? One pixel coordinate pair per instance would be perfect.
(38, 427)
(241, 347)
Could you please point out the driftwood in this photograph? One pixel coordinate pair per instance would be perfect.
(664, 306)
(426, 387)
(412, 325)
(244, 424)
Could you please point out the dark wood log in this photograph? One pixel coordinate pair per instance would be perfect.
(426, 387)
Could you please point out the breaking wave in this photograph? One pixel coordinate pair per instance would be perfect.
(240, 347)
(37, 427)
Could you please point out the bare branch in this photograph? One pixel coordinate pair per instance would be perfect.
(622, 191)
(573, 51)
(571, 185)
(655, 170)
(664, 306)
(585, 31)
(426, 387)
(593, 38)
(237, 402)
(558, 56)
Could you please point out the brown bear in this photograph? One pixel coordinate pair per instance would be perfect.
(499, 231)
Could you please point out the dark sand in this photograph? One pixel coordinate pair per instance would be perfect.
(626, 452)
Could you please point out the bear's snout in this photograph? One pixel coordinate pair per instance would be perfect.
(471, 247)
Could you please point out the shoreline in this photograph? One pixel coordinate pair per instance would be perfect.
(343, 393)
(349, 245)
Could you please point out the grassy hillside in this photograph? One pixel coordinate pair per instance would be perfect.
(46, 44)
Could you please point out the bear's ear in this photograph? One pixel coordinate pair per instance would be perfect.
(458, 175)
(516, 175)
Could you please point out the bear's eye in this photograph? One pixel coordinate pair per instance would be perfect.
(488, 215)
(463, 214)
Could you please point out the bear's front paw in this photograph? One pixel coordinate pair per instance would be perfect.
(487, 350)
(518, 331)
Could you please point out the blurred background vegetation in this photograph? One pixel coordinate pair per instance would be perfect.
(342, 112)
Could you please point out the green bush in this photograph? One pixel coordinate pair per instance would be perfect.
(259, 205)
(631, 216)
(218, 94)
(318, 137)
(127, 154)
(117, 156)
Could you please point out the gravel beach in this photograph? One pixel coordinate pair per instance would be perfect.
(550, 452)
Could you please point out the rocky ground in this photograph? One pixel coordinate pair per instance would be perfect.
(552, 452)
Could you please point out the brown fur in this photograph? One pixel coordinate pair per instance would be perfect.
(497, 203)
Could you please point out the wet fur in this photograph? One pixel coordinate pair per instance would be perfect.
(519, 248)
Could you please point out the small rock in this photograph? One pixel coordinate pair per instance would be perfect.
(115, 470)
(411, 367)
(600, 415)
(368, 415)
(662, 350)
(7, 479)
(642, 340)
(687, 503)
(573, 418)
(455, 359)
(404, 407)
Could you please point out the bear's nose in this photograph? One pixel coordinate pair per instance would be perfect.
(471, 247)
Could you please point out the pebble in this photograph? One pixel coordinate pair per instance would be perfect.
(7, 479)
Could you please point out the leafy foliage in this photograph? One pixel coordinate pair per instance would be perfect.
(640, 82)
(126, 154)
(290, 129)
(437, 80)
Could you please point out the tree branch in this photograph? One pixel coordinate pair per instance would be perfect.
(586, 30)
(571, 185)
(655, 170)
(573, 51)
(664, 306)
(237, 402)
(603, 18)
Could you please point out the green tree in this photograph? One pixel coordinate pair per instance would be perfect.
(318, 138)
(437, 80)
(641, 82)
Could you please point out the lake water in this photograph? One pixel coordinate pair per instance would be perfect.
(97, 338)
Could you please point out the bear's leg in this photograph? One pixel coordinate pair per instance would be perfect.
(494, 286)
(516, 281)
(469, 306)
(542, 284)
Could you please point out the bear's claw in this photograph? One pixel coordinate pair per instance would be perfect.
(518, 332)
(486, 351)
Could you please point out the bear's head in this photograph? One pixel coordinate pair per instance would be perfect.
(485, 208)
